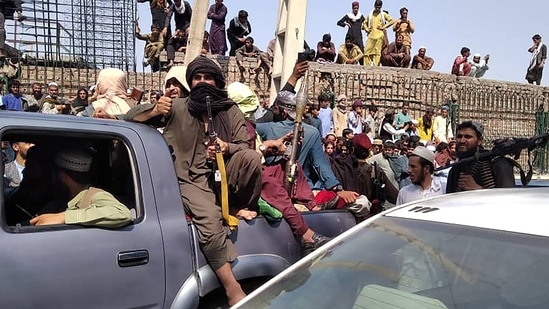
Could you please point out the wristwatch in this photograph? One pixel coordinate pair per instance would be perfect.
(337, 188)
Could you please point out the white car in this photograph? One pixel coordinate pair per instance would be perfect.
(480, 249)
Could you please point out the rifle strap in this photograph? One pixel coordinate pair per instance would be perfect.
(231, 221)
(525, 178)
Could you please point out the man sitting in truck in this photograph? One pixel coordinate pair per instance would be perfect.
(186, 126)
(88, 205)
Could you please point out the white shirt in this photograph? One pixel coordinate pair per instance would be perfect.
(413, 192)
(478, 69)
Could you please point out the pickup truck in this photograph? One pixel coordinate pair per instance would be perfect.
(155, 262)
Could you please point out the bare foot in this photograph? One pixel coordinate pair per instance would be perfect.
(246, 214)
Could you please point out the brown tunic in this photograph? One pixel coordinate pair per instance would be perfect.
(186, 134)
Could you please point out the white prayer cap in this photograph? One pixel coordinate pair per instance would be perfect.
(74, 160)
(424, 153)
(422, 47)
(477, 55)
(53, 84)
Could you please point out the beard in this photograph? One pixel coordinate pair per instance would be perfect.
(467, 153)
(418, 180)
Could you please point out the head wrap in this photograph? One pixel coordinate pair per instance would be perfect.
(245, 98)
(179, 73)
(205, 65)
(111, 89)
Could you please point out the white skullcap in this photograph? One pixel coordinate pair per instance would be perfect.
(477, 55)
(424, 153)
(53, 84)
(422, 47)
(74, 160)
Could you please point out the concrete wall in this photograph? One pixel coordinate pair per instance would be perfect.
(505, 108)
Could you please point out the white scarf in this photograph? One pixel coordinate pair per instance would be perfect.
(533, 59)
(371, 16)
(239, 24)
(354, 17)
(181, 9)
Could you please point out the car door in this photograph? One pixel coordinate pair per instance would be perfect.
(66, 266)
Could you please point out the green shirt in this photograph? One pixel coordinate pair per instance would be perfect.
(104, 211)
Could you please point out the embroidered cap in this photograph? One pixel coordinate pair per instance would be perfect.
(424, 153)
(74, 160)
(478, 127)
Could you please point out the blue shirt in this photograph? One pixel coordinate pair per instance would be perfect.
(310, 153)
(325, 115)
(401, 119)
(13, 103)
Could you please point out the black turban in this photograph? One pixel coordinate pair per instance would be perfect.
(204, 65)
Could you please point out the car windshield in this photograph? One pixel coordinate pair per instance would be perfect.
(403, 263)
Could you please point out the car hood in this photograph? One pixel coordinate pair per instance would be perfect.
(521, 210)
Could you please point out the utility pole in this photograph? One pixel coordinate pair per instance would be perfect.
(290, 36)
(197, 27)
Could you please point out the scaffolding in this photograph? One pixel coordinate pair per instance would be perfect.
(74, 38)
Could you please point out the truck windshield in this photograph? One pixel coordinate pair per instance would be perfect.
(404, 263)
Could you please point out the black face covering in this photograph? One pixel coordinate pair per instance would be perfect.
(219, 103)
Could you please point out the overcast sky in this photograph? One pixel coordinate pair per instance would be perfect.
(501, 28)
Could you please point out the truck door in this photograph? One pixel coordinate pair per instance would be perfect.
(75, 266)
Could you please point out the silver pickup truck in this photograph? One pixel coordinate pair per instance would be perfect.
(155, 262)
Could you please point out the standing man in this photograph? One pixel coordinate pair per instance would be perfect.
(339, 115)
(537, 61)
(424, 185)
(239, 29)
(403, 26)
(422, 62)
(375, 25)
(396, 54)
(218, 42)
(442, 129)
(7, 8)
(325, 114)
(478, 66)
(182, 13)
(461, 66)
(476, 174)
(186, 122)
(353, 21)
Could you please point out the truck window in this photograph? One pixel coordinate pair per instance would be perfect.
(32, 184)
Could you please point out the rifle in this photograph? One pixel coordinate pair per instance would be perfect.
(290, 173)
(379, 186)
(508, 146)
(220, 173)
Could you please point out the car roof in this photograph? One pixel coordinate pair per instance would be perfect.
(521, 210)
